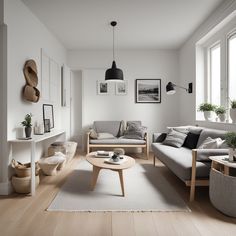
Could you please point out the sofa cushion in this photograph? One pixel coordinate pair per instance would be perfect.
(117, 141)
(191, 140)
(105, 136)
(93, 134)
(175, 139)
(210, 143)
(179, 160)
(111, 127)
(213, 133)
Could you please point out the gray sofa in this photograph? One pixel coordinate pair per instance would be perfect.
(192, 166)
(116, 128)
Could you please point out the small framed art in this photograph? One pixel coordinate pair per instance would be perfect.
(102, 88)
(122, 88)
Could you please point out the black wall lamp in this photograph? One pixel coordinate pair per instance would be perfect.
(170, 88)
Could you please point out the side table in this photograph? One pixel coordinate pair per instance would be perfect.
(222, 189)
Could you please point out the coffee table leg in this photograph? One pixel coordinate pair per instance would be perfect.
(122, 182)
(96, 171)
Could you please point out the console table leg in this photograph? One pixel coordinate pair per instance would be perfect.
(33, 168)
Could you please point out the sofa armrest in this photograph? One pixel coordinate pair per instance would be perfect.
(203, 154)
(158, 137)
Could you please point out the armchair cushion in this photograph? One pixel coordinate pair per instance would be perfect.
(105, 136)
(203, 154)
(135, 131)
(111, 127)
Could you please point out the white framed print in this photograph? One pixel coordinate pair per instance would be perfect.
(122, 88)
(103, 87)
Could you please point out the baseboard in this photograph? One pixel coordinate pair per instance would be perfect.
(6, 188)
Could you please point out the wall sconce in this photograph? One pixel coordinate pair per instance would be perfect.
(170, 88)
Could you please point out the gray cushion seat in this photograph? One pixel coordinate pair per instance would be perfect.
(179, 160)
(117, 141)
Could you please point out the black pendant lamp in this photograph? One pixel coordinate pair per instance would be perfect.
(114, 73)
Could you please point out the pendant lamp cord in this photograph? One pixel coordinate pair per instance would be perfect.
(113, 43)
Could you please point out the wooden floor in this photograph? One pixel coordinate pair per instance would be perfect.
(26, 216)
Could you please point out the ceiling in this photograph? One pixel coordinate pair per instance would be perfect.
(142, 24)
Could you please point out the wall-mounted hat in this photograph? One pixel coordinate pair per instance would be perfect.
(30, 72)
(31, 94)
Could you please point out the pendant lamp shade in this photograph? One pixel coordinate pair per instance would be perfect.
(114, 73)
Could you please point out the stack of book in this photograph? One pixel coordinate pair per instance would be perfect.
(102, 154)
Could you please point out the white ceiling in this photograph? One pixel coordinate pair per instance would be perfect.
(142, 24)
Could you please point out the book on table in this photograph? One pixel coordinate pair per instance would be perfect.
(103, 154)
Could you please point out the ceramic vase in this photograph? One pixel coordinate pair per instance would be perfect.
(232, 114)
(28, 131)
(222, 117)
(232, 154)
(207, 115)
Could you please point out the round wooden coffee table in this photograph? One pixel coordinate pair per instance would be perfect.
(99, 163)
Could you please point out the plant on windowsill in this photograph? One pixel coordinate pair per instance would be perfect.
(230, 139)
(207, 109)
(27, 123)
(220, 112)
(232, 111)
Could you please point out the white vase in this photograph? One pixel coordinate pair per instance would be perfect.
(207, 115)
(232, 154)
(222, 117)
(232, 113)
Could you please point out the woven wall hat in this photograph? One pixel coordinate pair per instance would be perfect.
(31, 94)
(30, 72)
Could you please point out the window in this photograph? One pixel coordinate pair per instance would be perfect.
(215, 67)
(214, 75)
(232, 66)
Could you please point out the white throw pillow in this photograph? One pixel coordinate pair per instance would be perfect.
(105, 136)
(210, 143)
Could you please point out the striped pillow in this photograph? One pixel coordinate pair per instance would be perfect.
(175, 139)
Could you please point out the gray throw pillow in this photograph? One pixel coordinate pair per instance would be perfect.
(175, 139)
(93, 134)
(135, 131)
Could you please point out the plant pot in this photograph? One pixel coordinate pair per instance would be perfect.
(207, 115)
(28, 131)
(232, 154)
(222, 117)
(232, 114)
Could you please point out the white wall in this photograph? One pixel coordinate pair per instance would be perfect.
(135, 65)
(26, 35)
(76, 107)
(187, 60)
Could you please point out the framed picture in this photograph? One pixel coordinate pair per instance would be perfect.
(102, 88)
(48, 117)
(122, 88)
(148, 90)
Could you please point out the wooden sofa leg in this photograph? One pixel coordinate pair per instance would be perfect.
(147, 152)
(154, 160)
(193, 177)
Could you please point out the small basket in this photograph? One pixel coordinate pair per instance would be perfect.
(48, 168)
(23, 184)
(24, 170)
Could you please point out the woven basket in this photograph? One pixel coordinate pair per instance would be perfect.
(23, 184)
(24, 170)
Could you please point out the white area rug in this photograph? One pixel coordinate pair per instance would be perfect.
(146, 189)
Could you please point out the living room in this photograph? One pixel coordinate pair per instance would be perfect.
(69, 46)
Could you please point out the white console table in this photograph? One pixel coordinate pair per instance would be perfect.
(36, 139)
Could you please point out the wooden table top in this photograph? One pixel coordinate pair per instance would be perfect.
(223, 160)
(100, 162)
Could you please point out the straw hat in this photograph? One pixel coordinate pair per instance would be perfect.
(30, 72)
(31, 94)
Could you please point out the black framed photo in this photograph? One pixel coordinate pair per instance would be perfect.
(48, 115)
(148, 90)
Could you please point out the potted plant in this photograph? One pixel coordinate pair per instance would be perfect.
(220, 112)
(207, 109)
(230, 139)
(27, 123)
(232, 111)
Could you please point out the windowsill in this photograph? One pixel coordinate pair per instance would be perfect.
(216, 122)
